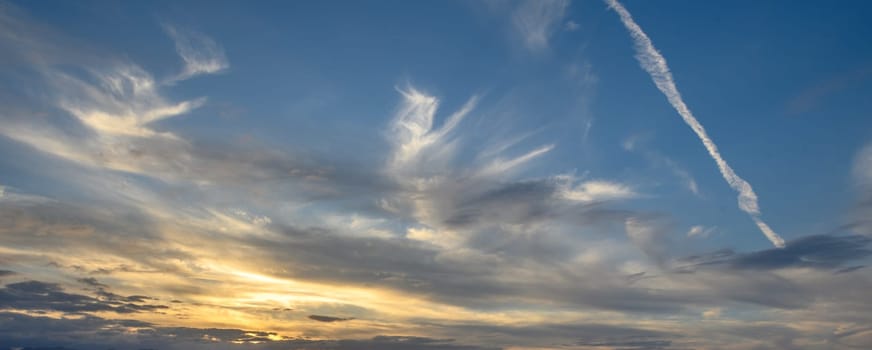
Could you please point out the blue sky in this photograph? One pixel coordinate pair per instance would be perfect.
(393, 174)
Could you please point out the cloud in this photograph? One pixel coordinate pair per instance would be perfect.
(92, 282)
(500, 166)
(655, 64)
(490, 277)
(861, 213)
(116, 106)
(89, 332)
(712, 313)
(153, 182)
(595, 190)
(329, 319)
(537, 21)
(578, 334)
(629, 344)
(439, 191)
(828, 252)
(452, 195)
(41, 296)
(651, 235)
(571, 26)
(813, 96)
(122, 102)
(700, 231)
(110, 105)
(481, 242)
(417, 143)
(862, 170)
(633, 144)
(529, 201)
(201, 54)
(104, 112)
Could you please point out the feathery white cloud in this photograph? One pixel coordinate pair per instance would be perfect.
(655, 64)
(537, 20)
(122, 103)
(499, 165)
(418, 146)
(202, 55)
(593, 190)
(117, 104)
(700, 231)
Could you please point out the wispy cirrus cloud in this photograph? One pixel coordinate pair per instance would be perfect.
(112, 102)
(700, 231)
(419, 145)
(536, 21)
(655, 64)
(117, 108)
(633, 144)
(200, 53)
(440, 189)
(475, 210)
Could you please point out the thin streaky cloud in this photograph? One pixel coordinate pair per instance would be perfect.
(201, 54)
(500, 165)
(631, 145)
(655, 64)
(592, 190)
(700, 231)
(537, 21)
(412, 130)
(119, 109)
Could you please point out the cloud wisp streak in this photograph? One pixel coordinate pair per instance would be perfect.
(536, 21)
(202, 55)
(655, 64)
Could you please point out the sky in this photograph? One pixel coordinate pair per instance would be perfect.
(423, 175)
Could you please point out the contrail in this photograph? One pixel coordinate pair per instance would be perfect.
(653, 62)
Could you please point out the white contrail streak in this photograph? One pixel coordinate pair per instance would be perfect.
(653, 62)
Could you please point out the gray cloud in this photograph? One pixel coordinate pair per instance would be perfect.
(633, 343)
(574, 334)
(424, 270)
(328, 319)
(817, 251)
(41, 296)
(90, 332)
